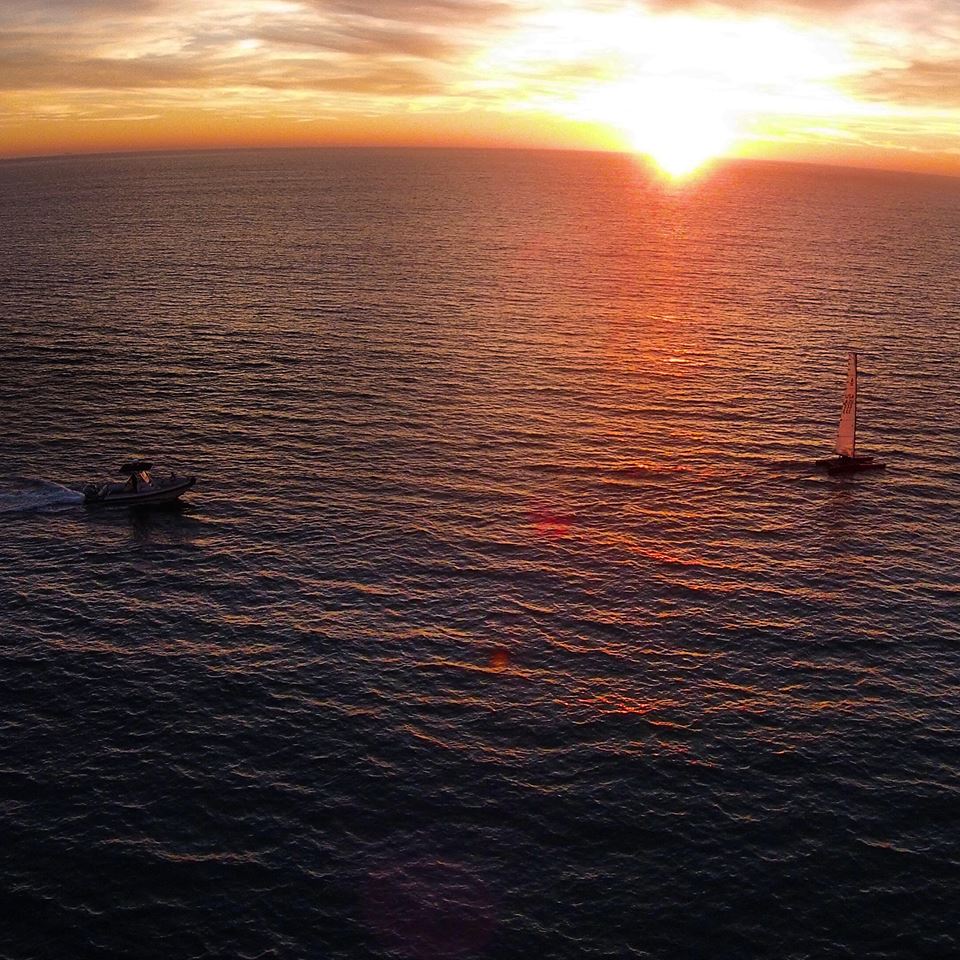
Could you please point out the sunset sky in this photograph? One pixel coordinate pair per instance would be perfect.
(868, 83)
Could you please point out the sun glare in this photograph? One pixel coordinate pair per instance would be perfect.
(679, 126)
(679, 88)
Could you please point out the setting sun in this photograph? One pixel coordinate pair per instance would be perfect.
(680, 127)
(680, 89)
(680, 136)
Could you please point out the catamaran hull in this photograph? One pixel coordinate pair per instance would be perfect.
(843, 466)
(144, 499)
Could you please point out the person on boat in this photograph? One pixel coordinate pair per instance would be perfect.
(139, 486)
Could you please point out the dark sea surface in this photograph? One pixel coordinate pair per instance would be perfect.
(508, 618)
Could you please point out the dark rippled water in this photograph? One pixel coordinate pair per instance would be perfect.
(507, 618)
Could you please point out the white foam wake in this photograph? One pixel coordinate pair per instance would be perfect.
(26, 495)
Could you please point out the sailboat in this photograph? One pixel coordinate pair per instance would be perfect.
(846, 460)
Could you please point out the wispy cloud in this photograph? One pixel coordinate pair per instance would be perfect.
(928, 83)
(63, 44)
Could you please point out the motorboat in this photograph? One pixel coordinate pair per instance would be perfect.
(141, 488)
(847, 461)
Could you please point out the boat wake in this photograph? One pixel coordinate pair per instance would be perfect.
(26, 495)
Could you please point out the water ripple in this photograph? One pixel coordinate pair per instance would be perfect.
(509, 615)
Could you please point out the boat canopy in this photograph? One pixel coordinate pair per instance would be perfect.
(135, 466)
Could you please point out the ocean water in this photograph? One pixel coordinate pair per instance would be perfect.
(508, 617)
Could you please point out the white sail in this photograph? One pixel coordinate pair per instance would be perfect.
(847, 431)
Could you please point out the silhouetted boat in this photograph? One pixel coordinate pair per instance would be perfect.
(140, 488)
(847, 460)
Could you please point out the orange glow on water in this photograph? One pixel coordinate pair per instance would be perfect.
(550, 523)
(499, 659)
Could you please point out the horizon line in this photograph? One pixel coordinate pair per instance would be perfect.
(454, 148)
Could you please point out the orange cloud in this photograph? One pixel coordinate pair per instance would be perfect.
(863, 81)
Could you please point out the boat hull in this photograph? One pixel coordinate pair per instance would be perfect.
(843, 466)
(166, 494)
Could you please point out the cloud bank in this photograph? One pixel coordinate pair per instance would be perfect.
(296, 61)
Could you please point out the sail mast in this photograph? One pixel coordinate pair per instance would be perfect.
(853, 442)
(847, 430)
